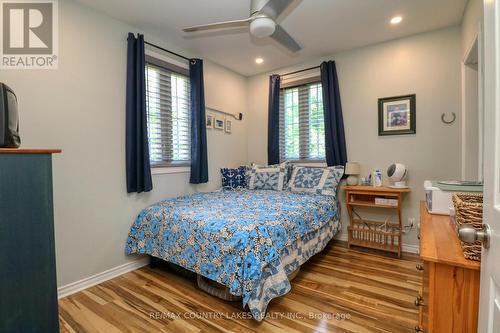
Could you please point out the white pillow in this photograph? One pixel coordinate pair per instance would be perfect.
(267, 177)
(315, 179)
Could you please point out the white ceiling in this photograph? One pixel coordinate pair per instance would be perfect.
(322, 27)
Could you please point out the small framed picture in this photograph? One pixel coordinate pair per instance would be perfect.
(219, 124)
(229, 126)
(210, 121)
(396, 115)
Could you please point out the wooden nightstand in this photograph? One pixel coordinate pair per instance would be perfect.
(374, 234)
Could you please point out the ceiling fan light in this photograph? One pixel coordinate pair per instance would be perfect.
(262, 27)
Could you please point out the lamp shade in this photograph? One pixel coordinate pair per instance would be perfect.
(352, 168)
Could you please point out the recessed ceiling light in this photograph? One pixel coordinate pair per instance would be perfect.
(259, 60)
(396, 20)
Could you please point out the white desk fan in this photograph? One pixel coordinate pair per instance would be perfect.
(397, 173)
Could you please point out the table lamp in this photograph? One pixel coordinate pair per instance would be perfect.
(352, 169)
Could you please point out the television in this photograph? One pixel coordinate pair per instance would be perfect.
(9, 118)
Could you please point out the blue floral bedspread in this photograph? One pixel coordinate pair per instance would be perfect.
(233, 237)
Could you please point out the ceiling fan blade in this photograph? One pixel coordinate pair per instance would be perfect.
(274, 8)
(219, 25)
(281, 36)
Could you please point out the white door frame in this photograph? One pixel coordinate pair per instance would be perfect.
(480, 73)
(489, 300)
(478, 38)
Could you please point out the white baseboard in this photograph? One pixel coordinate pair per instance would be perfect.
(408, 248)
(415, 249)
(93, 280)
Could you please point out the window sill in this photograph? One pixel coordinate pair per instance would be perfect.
(310, 163)
(170, 169)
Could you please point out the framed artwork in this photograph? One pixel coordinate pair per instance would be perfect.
(219, 124)
(396, 115)
(229, 126)
(210, 121)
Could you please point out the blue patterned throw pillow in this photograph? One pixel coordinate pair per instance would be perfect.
(316, 180)
(267, 177)
(234, 178)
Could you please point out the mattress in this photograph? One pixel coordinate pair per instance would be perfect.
(246, 240)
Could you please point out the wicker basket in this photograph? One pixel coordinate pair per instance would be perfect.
(469, 210)
(374, 234)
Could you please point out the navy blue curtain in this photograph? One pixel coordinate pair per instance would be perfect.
(335, 147)
(137, 149)
(199, 160)
(273, 136)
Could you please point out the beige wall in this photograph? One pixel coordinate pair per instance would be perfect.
(81, 108)
(427, 65)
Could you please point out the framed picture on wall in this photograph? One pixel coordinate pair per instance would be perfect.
(210, 121)
(219, 124)
(396, 115)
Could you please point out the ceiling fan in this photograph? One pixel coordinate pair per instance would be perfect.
(262, 23)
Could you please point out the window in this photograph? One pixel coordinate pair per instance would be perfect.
(302, 125)
(168, 114)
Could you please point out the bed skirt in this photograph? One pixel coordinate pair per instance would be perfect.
(220, 291)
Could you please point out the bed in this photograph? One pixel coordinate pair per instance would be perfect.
(246, 240)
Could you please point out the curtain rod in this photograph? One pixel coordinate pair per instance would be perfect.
(300, 71)
(239, 116)
(168, 51)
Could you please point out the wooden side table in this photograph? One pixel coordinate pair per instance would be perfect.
(380, 235)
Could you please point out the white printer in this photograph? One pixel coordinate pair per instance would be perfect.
(438, 194)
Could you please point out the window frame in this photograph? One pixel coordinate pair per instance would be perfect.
(165, 63)
(292, 85)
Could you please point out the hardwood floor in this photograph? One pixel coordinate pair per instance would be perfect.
(338, 290)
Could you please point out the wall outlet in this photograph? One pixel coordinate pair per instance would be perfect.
(408, 227)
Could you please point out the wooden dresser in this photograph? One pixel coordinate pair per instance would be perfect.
(449, 299)
(28, 288)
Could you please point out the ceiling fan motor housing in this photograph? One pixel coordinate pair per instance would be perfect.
(262, 23)
(262, 27)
